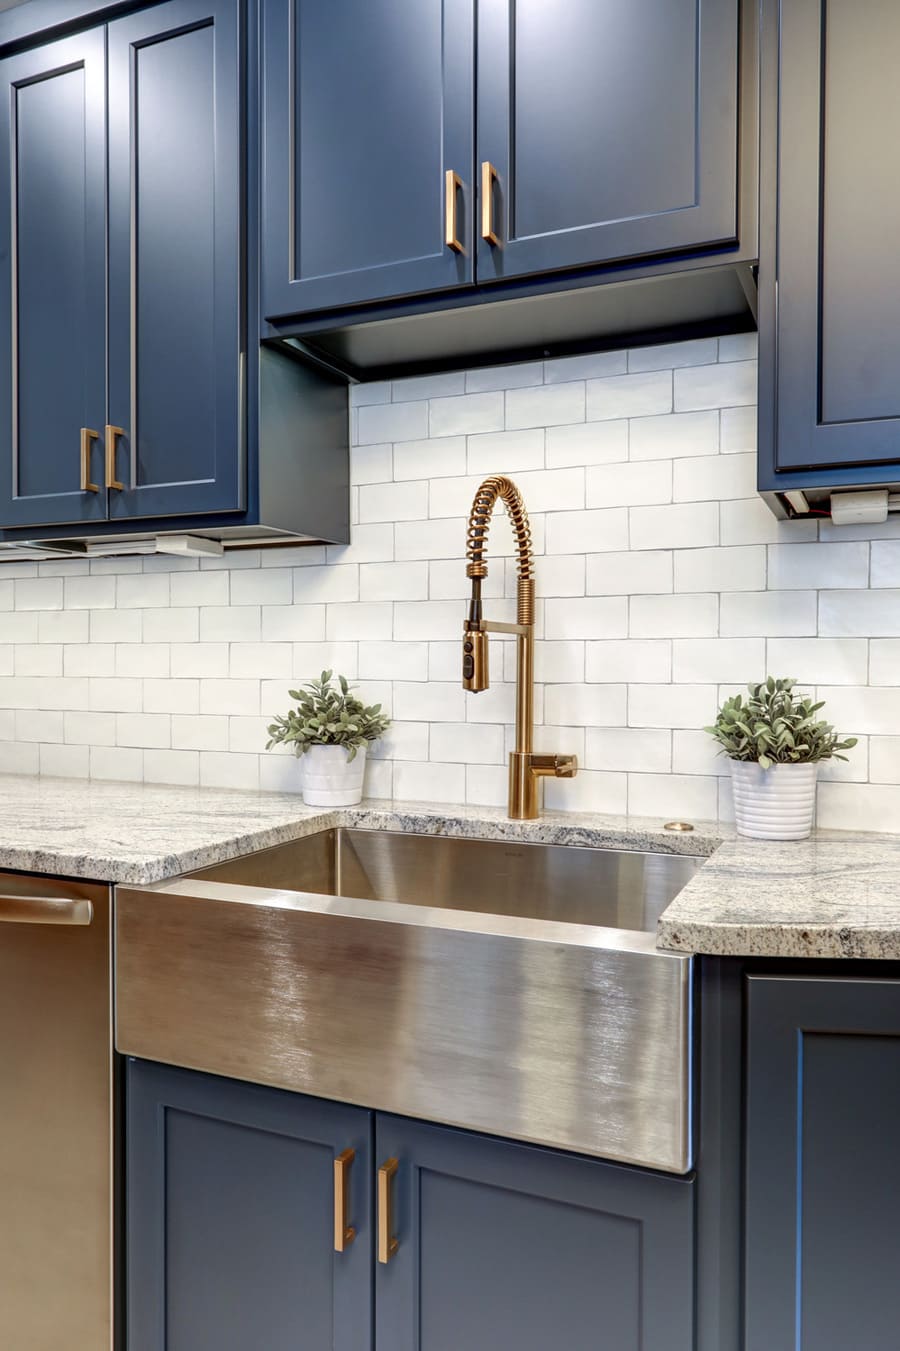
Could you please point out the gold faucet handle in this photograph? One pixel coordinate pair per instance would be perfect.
(475, 664)
(553, 766)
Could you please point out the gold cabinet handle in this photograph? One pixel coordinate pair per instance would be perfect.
(111, 434)
(344, 1233)
(452, 186)
(387, 1244)
(87, 436)
(488, 176)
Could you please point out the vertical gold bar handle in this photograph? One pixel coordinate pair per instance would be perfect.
(387, 1243)
(111, 434)
(344, 1233)
(87, 436)
(488, 176)
(452, 186)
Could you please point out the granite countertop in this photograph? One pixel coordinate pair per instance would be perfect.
(834, 895)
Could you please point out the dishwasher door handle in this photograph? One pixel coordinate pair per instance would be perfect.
(45, 910)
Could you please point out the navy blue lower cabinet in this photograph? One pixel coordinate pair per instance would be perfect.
(231, 1225)
(823, 1164)
(507, 1247)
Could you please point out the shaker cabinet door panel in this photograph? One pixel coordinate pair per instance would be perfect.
(838, 216)
(368, 107)
(611, 129)
(231, 1215)
(823, 1169)
(505, 1245)
(52, 282)
(175, 188)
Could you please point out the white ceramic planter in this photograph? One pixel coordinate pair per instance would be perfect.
(329, 778)
(773, 804)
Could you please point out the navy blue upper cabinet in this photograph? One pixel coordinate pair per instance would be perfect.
(368, 129)
(605, 130)
(829, 262)
(501, 1245)
(53, 283)
(823, 1169)
(231, 1217)
(175, 189)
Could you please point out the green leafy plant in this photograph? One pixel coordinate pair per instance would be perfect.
(327, 715)
(774, 726)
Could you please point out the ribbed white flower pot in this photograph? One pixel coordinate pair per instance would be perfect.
(330, 779)
(776, 803)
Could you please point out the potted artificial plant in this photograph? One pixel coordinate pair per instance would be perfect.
(775, 742)
(329, 731)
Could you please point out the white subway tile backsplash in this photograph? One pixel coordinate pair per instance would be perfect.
(576, 617)
(506, 452)
(544, 405)
(561, 370)
(440, 457)
(585, 705)
(629, 485)
(739, 568)
(629, 396)
(714, 478)
(672, 705)
(831, 661)
(674, 435)
(685, 615)
(584, 443)
(684, 796)
(680, 526)
(587, 531)
(626, 574)
(720, 386)
(504, 377)
(874, 614)
(466, 413)
(672, 355)
(816, 566)
(647, 750)
(393, 501)
(392, 422)
(663, 583)
(265, 586)
(724, 660)
(773, 614)
(632, 662)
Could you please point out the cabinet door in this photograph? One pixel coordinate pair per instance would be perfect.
(504, 1245)
(175, 341)
(52, 281)
(823, 1169)
(837, 317)
(612, 129)
(368, 107)
(231, 1217)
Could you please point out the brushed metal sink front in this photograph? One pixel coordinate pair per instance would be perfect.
(509, 988)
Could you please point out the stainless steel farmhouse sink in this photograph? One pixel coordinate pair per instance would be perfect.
(506, 987)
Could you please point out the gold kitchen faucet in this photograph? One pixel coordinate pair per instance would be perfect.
(526, 767)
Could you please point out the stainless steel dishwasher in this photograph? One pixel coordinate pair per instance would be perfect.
(56, 1125)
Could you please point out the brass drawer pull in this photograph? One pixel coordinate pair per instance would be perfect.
(488, 177)
(344, 1233)
(387, 1243)
(452, 186)
(87, 436)
(111, 434)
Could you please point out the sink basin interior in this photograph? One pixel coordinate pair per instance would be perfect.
(611, 888)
